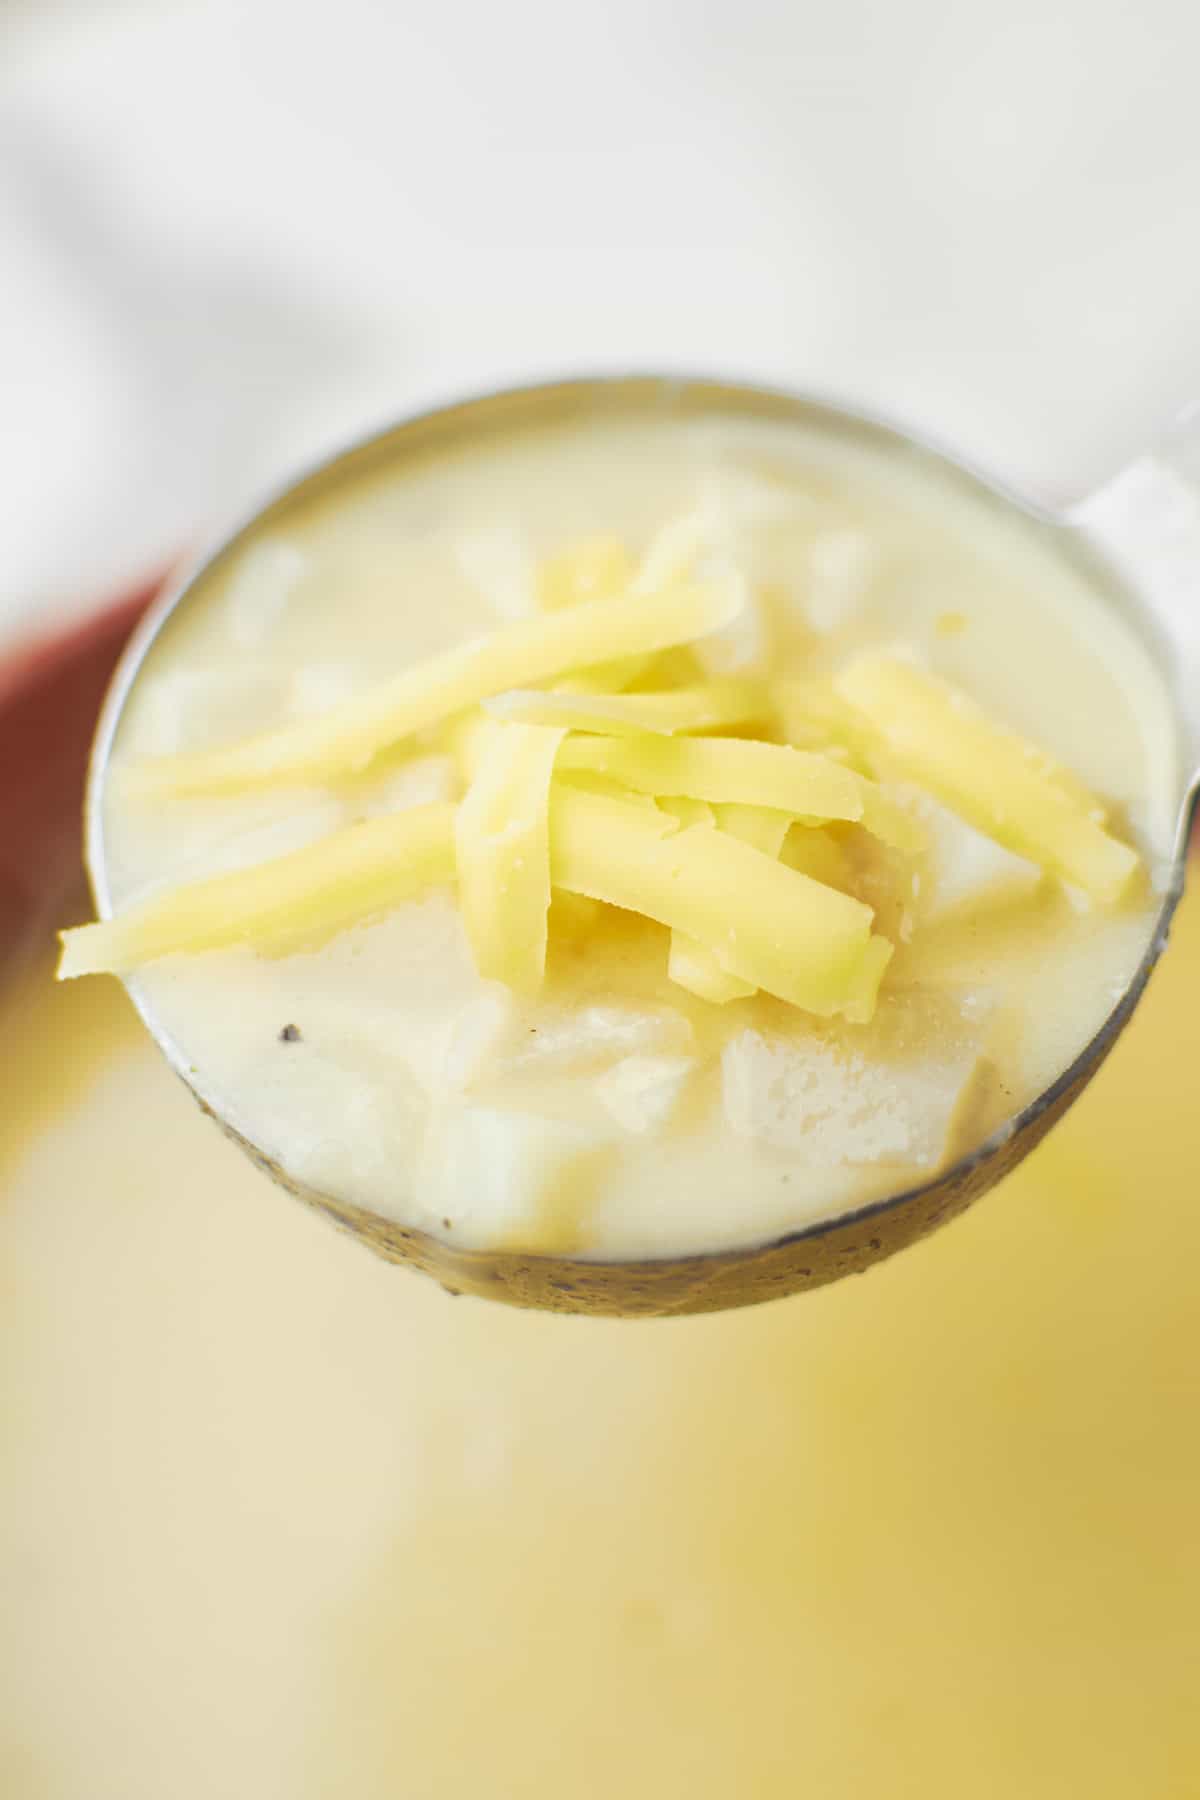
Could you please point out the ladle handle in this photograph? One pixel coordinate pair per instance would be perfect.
(1146, 519)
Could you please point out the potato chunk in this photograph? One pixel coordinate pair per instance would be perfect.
(893, 1093)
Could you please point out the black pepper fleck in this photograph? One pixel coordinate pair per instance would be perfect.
(290, 1034)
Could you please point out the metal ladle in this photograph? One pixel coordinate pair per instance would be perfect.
(1141, 533)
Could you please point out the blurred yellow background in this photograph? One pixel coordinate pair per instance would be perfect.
(284, 1520)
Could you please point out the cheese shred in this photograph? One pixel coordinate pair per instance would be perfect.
(518, 654)
(502, 847)
(286, 904)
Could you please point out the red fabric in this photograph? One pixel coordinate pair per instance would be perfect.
(50, 695)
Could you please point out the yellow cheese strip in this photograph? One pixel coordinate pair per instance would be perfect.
(774, 928)
(608, 677)
(690, 964)
(680, 808)
(668, 817)
(518, 654)
(817, 853)
(465, 738)
(746, 772)
(864, 995)
(706, 707)
(502, 845)
(722, 769)
(595, 568)
(813, 715)
(883, 817)
(989, 775)
(610, 813)
(286, 903)
(574, 916)
(763, 826)
(887, 820)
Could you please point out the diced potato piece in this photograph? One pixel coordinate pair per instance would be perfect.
(556, 1040)
(471, 1038)
(722, 769)
(596, 568)
(893, 1092)
(705, 708)
(266, 577)
(493, 1175)
(730, 498)
(997, 781)
(519, 654)
(202, 705)
(319, 686)
(697, 544)
(769, 925)
(502, 841)
(641, 1092)
(739, 495)
(417, 781)
(287, 903)
(971, 873)
(672, 552)
(745, 643)
(695, 967)
(841, 565)
(497, 561)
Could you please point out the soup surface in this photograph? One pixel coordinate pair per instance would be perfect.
(615, 1112)
(279, 1520)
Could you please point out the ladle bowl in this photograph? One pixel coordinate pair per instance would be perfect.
(1140, 533)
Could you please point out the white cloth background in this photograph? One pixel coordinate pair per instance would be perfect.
(234, 232)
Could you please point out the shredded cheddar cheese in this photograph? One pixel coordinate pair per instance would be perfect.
(517, 654)
(288, 903)
(998, 782)
(747, 849)
(502, 846)
(710, 706)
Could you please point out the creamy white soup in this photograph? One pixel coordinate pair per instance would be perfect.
(848, 791)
